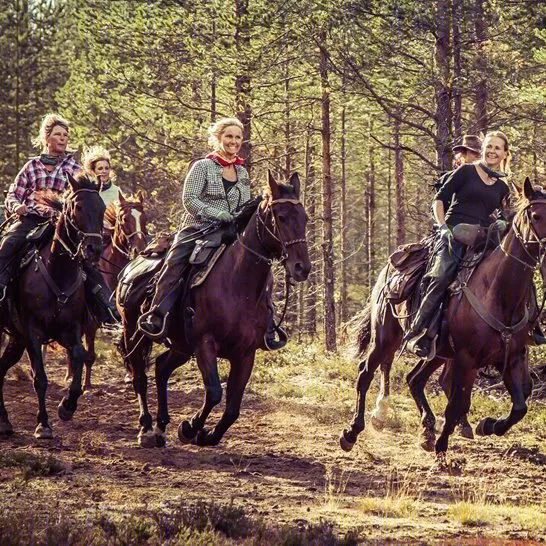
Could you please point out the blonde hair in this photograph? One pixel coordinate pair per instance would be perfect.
(217, 129)
(505, 165)
(91, 156)
(48, 122)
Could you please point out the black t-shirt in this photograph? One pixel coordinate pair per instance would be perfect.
(228, 184)
(471, 200)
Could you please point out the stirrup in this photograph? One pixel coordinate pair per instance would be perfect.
(270, 341)
(142, 324)
(413, 346)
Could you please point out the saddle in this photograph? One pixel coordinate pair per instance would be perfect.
(36, 239)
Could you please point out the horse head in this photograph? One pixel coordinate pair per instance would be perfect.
(82, 212)
(529, 223)
(131, 221)
(284, 220)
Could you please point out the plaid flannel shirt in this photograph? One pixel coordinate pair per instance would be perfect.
(204, 193)
(34, 177)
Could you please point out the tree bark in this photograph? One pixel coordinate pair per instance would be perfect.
(327, 223)
(481, 91)
(399, 180)
(310, 207)
(343, 312)
(371, 212)
(457, 77)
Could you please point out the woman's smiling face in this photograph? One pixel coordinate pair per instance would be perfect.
(494, 151)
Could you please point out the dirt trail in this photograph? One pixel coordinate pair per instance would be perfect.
(281, 461)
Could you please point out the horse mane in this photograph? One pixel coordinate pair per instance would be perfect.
(520, 201)
(245, 212)
(113, 208)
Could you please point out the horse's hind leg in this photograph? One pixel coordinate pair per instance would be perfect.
(384, 342)
(165, 364)
(10, 356)
(206, 360)
(381, 411)
(239, 374)
(90, 355)
(417, 379)
(465, 430)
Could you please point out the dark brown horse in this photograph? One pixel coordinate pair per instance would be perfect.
(230, 316)
(49, 300)
(487, 325)
(128, 238)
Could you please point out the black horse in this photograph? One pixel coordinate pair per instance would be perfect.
(49, 299)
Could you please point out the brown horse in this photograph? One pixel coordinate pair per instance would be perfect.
(229, 321)
(127, 240)
(49, 302)
(487, 324)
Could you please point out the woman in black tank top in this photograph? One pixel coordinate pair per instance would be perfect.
(470, 195)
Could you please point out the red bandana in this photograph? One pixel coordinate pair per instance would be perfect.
(215, 156)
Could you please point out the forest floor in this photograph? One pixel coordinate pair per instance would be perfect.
(280, 462)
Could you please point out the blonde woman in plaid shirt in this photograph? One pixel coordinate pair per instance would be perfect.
(48, 171)
(213, 189)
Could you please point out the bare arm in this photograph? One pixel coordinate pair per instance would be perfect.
(439, 212)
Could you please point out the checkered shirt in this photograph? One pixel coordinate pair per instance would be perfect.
(204, 192)
(34, 177)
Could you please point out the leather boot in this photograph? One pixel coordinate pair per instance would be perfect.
(103, 309)
(153, 323)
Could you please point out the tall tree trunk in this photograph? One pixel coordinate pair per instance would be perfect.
(242, 80)
(310, 206)
(371, 211)
(327, 225)
(481, 91)
(287, 133)
(389, 197)
(443, 114)
(457, 76)
(399, 179)
(343, 312)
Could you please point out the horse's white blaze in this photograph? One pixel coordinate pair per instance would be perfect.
(137, 214)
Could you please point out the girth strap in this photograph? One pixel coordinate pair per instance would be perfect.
(62, 296)
(506, 332)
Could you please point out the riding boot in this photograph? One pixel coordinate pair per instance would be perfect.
(153, 323)
(99, 298)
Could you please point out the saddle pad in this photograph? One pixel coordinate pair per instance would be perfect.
(203, 272)
(136, 275)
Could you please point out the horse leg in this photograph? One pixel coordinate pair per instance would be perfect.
(519, 384)
(239, 374)
(381, 410)
(208, 366)
(76, 355)
(463, 376)
(34, 349)
(465, 430)
(90, 333)
(10, 356)
(165, 364)
(377, 353)
(417, 379)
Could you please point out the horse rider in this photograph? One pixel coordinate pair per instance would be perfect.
(48, 171)
(96, 162)
(214, 189)
(470, 194)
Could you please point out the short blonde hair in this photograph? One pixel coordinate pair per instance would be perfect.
(217, 129)
(48, 122)
(505, 166)
(91, 156)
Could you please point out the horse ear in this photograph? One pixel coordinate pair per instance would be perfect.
(273, 186)
(140, 195)
(72, 182)
(121, 198)
(295, 183)
(528, 190)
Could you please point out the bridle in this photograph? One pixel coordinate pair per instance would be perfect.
(81, 237)
(127, 236)
(533, 238)
(275, 232)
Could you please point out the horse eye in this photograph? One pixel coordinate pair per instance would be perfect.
(282, 218)
(535, 216)
(79, 208)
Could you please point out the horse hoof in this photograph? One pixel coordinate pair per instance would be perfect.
(377, 423)
(467, 432)
(205, 438)
(485, 427)
(344, 443)
(146, 439)
(43, 433)
(185, 432)
(428, 441)
(64, 413)
(160, 440)
(6, 429)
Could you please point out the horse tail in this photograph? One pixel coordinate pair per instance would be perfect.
(364, 328)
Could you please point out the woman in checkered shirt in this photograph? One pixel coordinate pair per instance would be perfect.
(48, 171)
